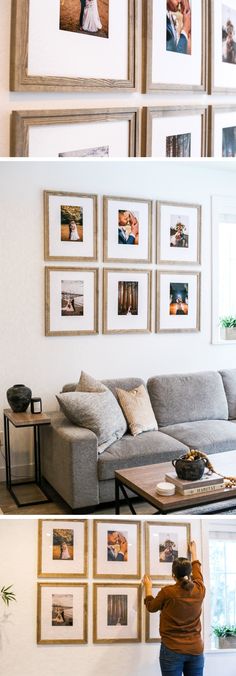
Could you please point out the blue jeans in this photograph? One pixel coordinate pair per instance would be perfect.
(176, 664)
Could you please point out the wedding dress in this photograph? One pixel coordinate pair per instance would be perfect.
(91, 20)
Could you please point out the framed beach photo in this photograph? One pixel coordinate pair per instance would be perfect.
(62, 548)
(62, 612)
(117, 549)
(178, 233)
(178, 302)
(127, 301)
(165, 542)
(222, 62)
(175, 45)
(73, 46)
(112, 132)
(71, 301)
(127, 230)
(70, 226)
(174, 131)
(222, 131)
(117, 613)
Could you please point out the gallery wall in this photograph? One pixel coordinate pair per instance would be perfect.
(39, 101)
(19, 653)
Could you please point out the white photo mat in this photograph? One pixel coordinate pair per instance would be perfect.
(221, 120)
(112, 320)
(68, 593)
(224, 73)
(168, 322)
(156, 535)
(165, 126)
(190, 216)
(127, 252)
(56, 323)
(152, 621)
(126, 568)
(51, 567)
(62, 249)
(116, 633)
(51, 140)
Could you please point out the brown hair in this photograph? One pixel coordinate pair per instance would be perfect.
(182, 570)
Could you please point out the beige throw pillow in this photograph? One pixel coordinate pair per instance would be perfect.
(137, 409)
(88, 384)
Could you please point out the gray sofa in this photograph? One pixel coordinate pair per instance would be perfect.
(192, 410)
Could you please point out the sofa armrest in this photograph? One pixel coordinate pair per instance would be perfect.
(69, 461)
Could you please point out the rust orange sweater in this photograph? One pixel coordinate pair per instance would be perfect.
(180, 624)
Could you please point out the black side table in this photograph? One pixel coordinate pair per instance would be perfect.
(35, 420)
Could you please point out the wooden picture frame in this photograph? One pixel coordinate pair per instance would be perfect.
(189, 251)
(59, 239)
(108, 561)
(153, 84)
(221, 72)
(59, 296)
(170, 119)
(28, 75)
(219, 144)
(156, 565)
(126, 317)
(185, 315)
(54, 559)
(113, 242)
(26, 123)
(152, 634)
(114, 630)
(56, 600)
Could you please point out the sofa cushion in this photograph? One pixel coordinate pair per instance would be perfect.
(210, 436)
(96, 411)
(229, 381)
(89, 384)
(188, 397)
(146, 449)
(137, 409)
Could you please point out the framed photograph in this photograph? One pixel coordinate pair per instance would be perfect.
(70, 226)
(174, 132)
(73, 46)
(176, 56)
(75, 133)
(62, 548)
(117, 549)
(165, 542)
(178, 302)
(222, 62)
(71, 301)
(127, 301)
(222, 131)
(117, 613)
(127, 230)
(152, 634)
(178, 233)
(62, 612)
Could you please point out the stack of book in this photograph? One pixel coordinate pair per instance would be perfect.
(208, 483)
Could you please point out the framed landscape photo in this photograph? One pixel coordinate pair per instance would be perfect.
(222, 131)
(178, 302)
(112, 132)
(117, 613)
(127, 301)
(117, 549)
(67, 46)
(178, 233)
(222, 62)
(165, 542)
(62, 548)
(127, 230)
(62, 612)
(70, 226)
(152, 634)
(174, 131)
(175, 45)
(71, 301)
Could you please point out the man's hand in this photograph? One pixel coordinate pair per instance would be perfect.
(187, 21)
(123, 545)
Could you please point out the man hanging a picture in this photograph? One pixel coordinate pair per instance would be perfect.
(178, 26)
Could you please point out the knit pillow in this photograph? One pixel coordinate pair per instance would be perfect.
(138, 410)
(88, 384)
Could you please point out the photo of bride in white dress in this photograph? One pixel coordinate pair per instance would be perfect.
(89, 17)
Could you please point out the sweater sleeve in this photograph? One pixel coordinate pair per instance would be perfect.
(197, 576)
(153, 604)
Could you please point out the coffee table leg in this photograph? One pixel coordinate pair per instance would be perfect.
(117, 496)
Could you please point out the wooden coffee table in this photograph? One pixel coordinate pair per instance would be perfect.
(142, 482)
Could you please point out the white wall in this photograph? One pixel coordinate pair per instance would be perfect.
(45, 364)
(20, 654)
(37, 101)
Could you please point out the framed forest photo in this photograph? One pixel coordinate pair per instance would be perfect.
(62, 615)
(178, 233)
(63, 45)
(70, 226)
(222, 62)
(117, 549)
(62, 548)
(127, 230)
(75, 133)
(71, 301)
(165, 542)
(178, 301)
(174, 131)
(222, 131)
(127, 301)
(175, 45)
(117, 613)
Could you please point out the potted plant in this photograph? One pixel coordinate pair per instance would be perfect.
(228, 328)
(226, 636)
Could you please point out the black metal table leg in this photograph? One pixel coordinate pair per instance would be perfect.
(117, 496)
(7, 452)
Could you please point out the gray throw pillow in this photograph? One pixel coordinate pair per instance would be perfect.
(96, 411)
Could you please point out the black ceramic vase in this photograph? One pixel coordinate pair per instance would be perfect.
(19, 396)
(189, 470)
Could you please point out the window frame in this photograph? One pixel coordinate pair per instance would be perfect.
(221, 206)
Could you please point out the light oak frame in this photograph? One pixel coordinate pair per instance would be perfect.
(48, 331)
(40, 586)
(106, 272)
(96, 544)
(43, 574)
(178, 205)
(47, 256)
(96, 585)
(106, 258)
(168, 525)
(153, 112)
(174, 272)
